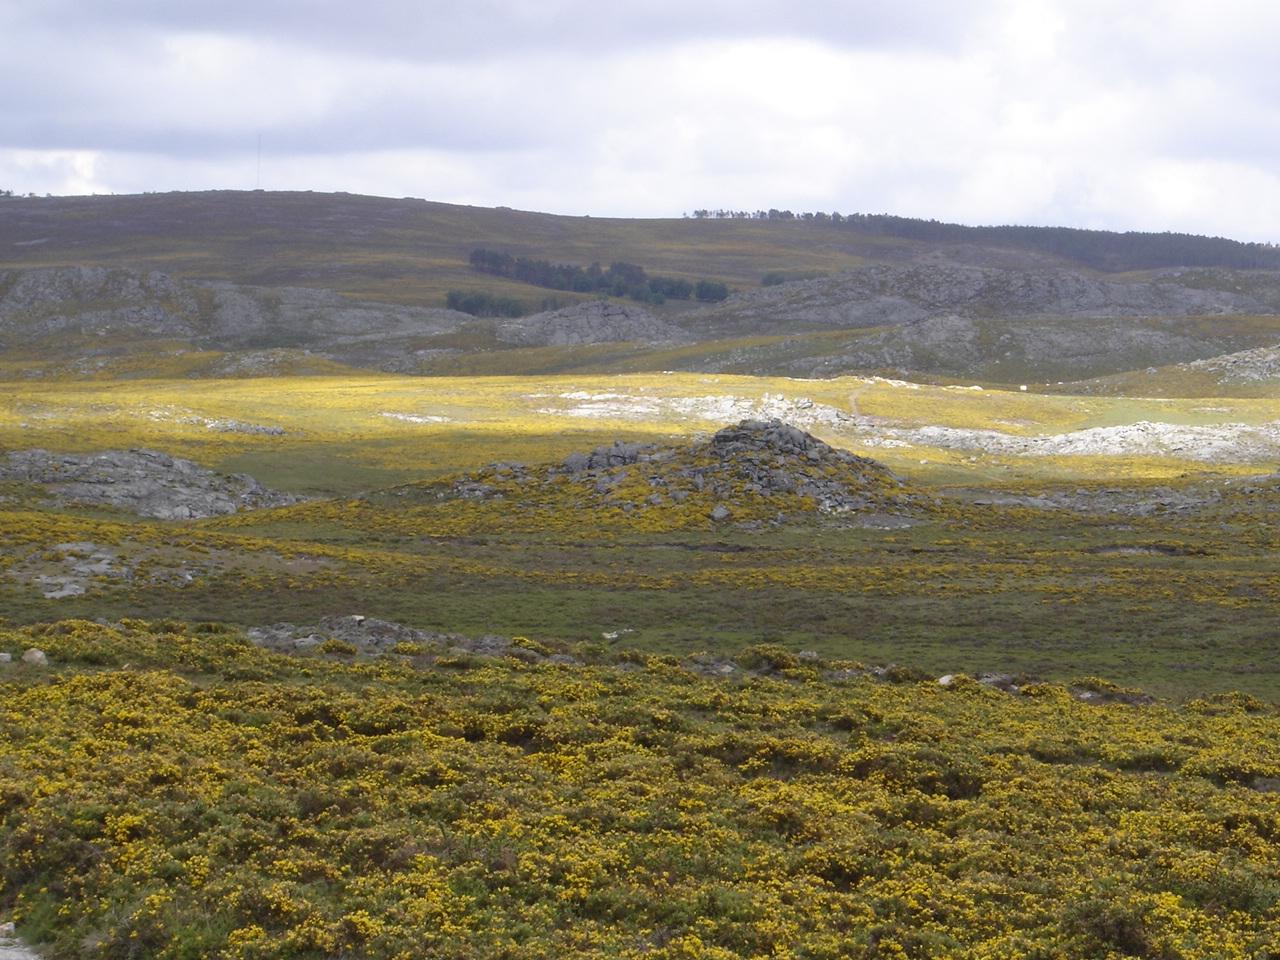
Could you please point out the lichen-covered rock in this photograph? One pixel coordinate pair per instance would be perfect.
(145, 482)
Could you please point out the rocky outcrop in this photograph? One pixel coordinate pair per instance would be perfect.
(102, 309)
(11, 948)
(936, 317)
(753, 469)
(884, 294)
(145, 482)
(1260, 365)
(597, 321)
(94, 301)
(771, 457)
(369, 635)
(760, 457)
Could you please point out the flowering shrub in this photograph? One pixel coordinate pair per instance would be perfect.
(175, 792)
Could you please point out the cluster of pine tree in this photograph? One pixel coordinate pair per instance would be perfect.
(481, 304)
(620, 279)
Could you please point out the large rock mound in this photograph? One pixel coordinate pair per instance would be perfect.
(753, 459)
(145, 482)
(756, 471)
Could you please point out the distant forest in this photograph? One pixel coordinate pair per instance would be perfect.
(1099, 249)
(618, 280)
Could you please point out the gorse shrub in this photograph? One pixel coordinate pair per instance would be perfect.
(176, 792)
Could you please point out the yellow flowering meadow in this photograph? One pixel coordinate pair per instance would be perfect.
(171, 791)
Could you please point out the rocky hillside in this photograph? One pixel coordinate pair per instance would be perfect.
(358, 282)
(72, 304)
(889, 294)
(942, 321)
(596, 321)
(1028, 350)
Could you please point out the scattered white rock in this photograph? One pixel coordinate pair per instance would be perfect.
(800, 411)
(59, 588)
(35, 657)
(416, 418)
(12, 948)
(1217, 443)
(217, 424)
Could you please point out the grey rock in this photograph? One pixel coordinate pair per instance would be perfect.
(35, 657)
(1000, 681)
(145, 482)
(366, 634)
(488, 645)
(115, 304)
(720, 512)
(597, 321)
(709, 666)
(845, 673)
(6, 657)
(12, 948)
(54, 587)
(564, 659)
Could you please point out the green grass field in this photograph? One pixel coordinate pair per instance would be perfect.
(1179, 605)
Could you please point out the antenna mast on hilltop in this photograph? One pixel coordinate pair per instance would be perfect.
(257, 178)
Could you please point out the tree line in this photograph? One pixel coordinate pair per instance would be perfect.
(619, 279)
(481, 304)
(1099, 249)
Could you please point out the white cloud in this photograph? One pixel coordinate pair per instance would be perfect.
(51, 171)
(1149, 115)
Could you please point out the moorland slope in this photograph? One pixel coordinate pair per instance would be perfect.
(202, 284)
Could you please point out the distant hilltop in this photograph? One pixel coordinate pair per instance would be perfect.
(864, 234)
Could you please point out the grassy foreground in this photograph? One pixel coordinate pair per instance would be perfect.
(169, 790)
(174, 792)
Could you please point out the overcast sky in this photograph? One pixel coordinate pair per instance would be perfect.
(1142, 114)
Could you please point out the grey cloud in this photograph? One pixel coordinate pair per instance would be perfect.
(1097, 113)
(483, 29)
